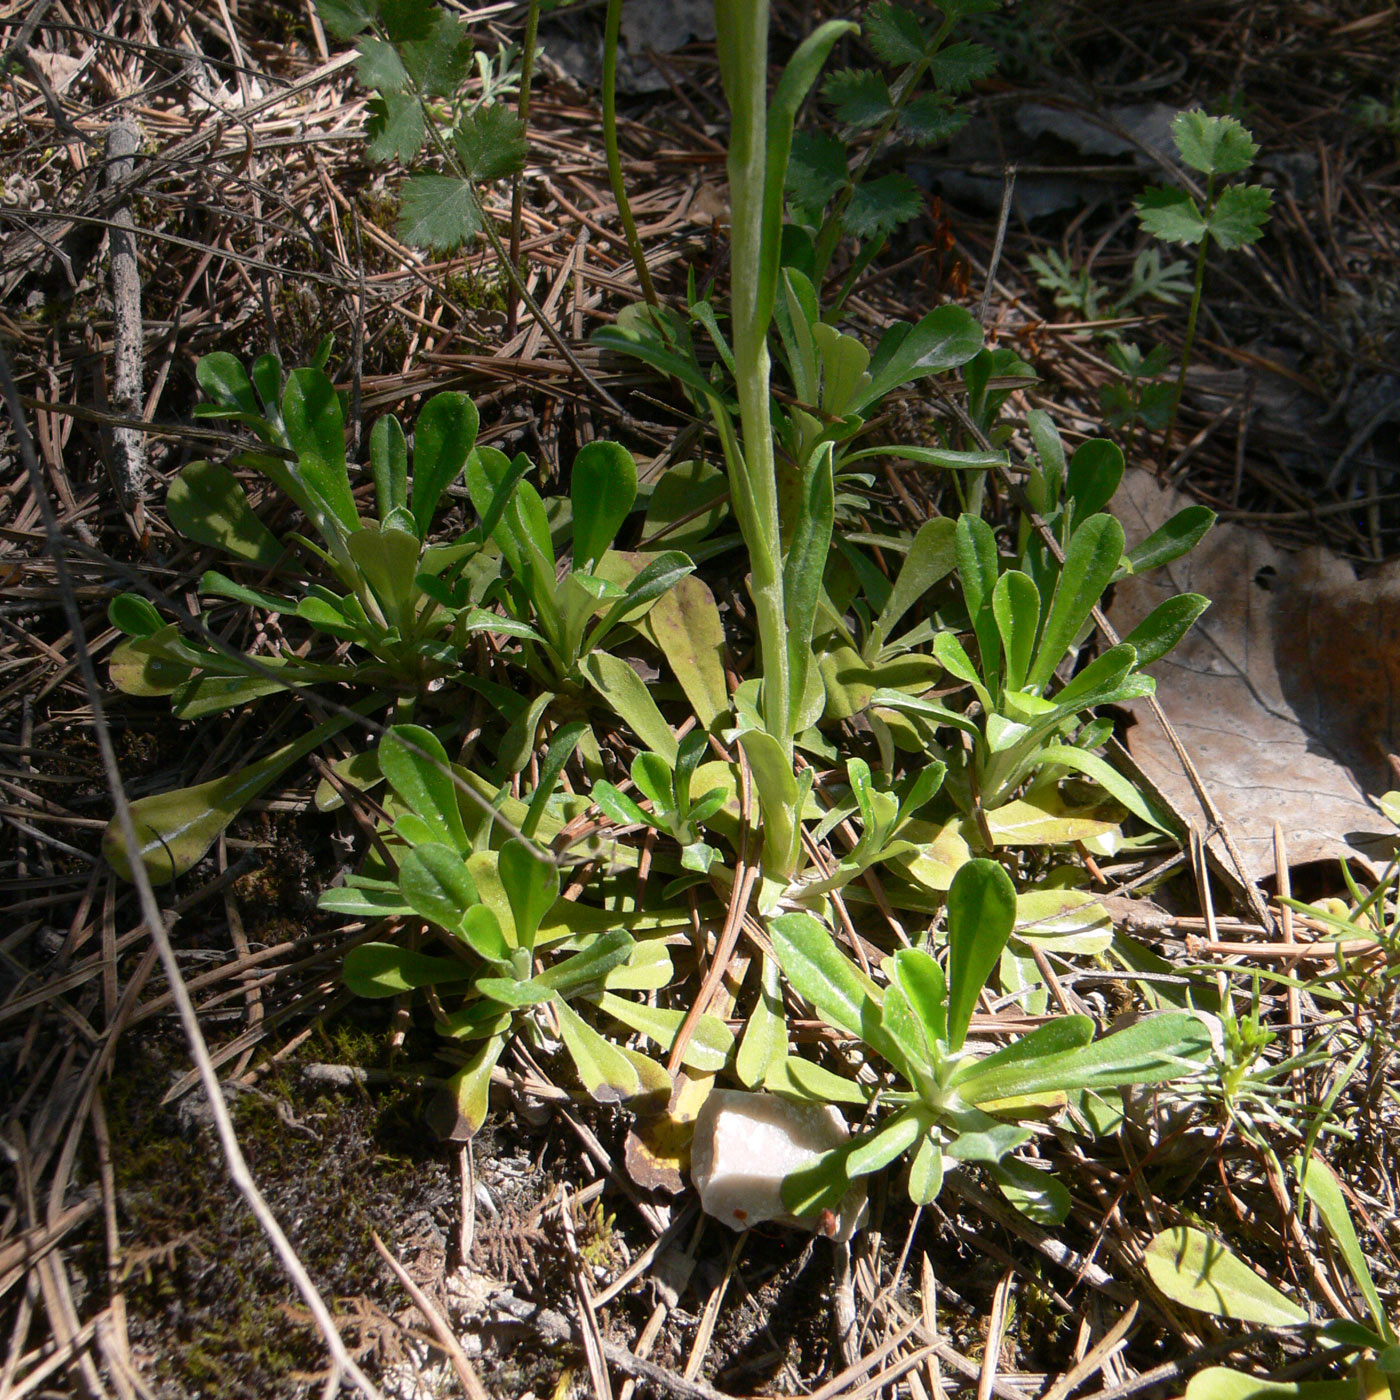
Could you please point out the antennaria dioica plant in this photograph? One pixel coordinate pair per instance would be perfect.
(469, 851)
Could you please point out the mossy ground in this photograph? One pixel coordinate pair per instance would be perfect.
(211, 1312)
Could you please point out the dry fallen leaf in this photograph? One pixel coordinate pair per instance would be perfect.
(1286, 693)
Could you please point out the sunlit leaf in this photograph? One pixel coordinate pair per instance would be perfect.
(1196, 1270)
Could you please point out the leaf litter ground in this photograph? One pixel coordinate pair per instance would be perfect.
(125, 1262)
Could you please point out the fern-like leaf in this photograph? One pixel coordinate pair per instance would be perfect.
(878, 207)
(438, 212)
(490, 143)
(816, 171)
(896, 35)
(394, 128)
(929, 119)
(859, 97)
(957, 67)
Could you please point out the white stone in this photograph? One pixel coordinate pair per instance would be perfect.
(745, 1144)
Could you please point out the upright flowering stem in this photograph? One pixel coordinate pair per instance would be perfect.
(742, 36)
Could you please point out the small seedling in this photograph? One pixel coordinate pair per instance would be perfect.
(912, 99)
(1230, 216)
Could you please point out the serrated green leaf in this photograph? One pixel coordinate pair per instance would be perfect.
(1240, 214)
(490, 143)
(895, 34)
(379, 66)
(957, 67)
(1171, 215)
(929, 119)
(1213, 145)
(880, 206)
(439, 61)
(438, 212)
(817, 170)
(859, 97)
(1196, 1270)
(344, 19)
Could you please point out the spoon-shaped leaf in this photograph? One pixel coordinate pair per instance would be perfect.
(925, 989)
(388, 460)
(1090, 562)
(207, 505)
(175, 829)
(415, 763)
(437, 885)
(459, 1108)
(316, 429)
(1155, 1049)
(531, 883)
(1194, 1269)
(442, 441)
(603, 490)
(386, 970)
(981, 914)
(606, 1072)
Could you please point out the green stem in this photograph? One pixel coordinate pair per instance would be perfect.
(1191, 320)
(612, 25)
(517, 193)
(743, 50)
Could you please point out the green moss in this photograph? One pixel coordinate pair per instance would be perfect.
(474, 292)
(207, 1300)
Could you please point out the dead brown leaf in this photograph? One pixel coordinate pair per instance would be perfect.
(1286, 693)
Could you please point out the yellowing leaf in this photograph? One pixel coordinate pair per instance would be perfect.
(1196, 1270)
